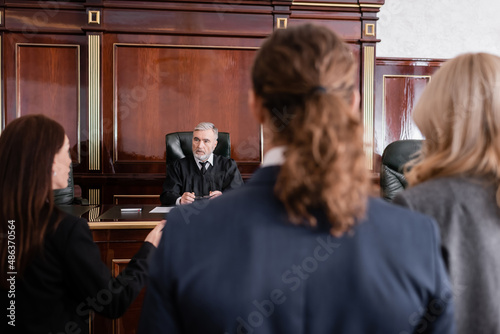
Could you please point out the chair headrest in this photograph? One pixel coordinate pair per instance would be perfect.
(65, 196)
(398, 153)
(179, 145)
(395, 156)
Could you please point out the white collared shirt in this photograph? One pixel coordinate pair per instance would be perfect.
(274, 157)
(210, 161)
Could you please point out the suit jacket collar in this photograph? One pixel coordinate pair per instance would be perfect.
(265, 175)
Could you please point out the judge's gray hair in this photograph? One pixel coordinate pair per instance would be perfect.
(207, 126)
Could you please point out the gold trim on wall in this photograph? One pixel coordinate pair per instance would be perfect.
(94, 196)
(129, 225)
(115, 97)
(97, 19)
(335, 4)
(369, 29)
(281, 22)
(94, 199)
(78, 89)
(383, 96)
(368, 83)
(94, 102)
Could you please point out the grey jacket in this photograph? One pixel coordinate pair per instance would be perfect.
(469, 221)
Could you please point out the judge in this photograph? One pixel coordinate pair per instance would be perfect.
(201, 175)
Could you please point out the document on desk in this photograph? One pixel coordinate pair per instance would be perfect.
(161, 209)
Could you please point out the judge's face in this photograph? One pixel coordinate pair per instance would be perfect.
(60, 166)
(204, 143)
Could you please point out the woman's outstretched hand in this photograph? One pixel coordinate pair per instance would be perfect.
(155, 235)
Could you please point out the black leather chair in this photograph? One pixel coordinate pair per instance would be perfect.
(66, 196)
(395, 156)
(179, 144)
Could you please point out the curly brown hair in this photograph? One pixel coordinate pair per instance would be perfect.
(306, 79)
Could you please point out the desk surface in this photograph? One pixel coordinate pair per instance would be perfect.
(111, 217)
(76, 210)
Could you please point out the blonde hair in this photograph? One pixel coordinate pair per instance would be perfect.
(459, 114)
(306, 78)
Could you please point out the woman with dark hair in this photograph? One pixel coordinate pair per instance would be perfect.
(300, 248)
(51, 272)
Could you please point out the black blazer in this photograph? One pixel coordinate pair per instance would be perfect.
(60, 288)
(237, 265)
(184, 176)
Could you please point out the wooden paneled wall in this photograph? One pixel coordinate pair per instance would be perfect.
(399, 82)
(119, 75)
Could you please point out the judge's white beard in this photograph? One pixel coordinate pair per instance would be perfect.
(203, 157)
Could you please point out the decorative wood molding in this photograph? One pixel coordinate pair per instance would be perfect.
(18, 48)
(369, 29)
(368, 99)
(332, 4)
(94, 45)
(123, 111)
(281, 22)
(94, 17)
(129, 225)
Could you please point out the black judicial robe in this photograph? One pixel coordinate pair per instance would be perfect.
(184, 176)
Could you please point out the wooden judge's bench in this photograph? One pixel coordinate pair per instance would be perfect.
(119, 75)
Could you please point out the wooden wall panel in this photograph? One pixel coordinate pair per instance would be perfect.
(156, 67)
(350, 29)
(44, 74)
(162, 89)
(129, 323)
(48, 82)
(46, 18)
(209, 20)
(400, 94)
(159, 66)
(117, 247)
(399, 82)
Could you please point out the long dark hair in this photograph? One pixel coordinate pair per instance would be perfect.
(28, 146)
(306, 79)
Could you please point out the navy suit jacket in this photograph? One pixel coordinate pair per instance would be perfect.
(235, 264)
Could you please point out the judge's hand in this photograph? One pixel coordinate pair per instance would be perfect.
(215, 193)
(155, 235)
(187, 198)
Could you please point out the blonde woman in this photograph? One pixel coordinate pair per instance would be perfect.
(300, 248)
(456, 180)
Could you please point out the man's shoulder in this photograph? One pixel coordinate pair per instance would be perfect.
(390, 214)
(223, 161)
